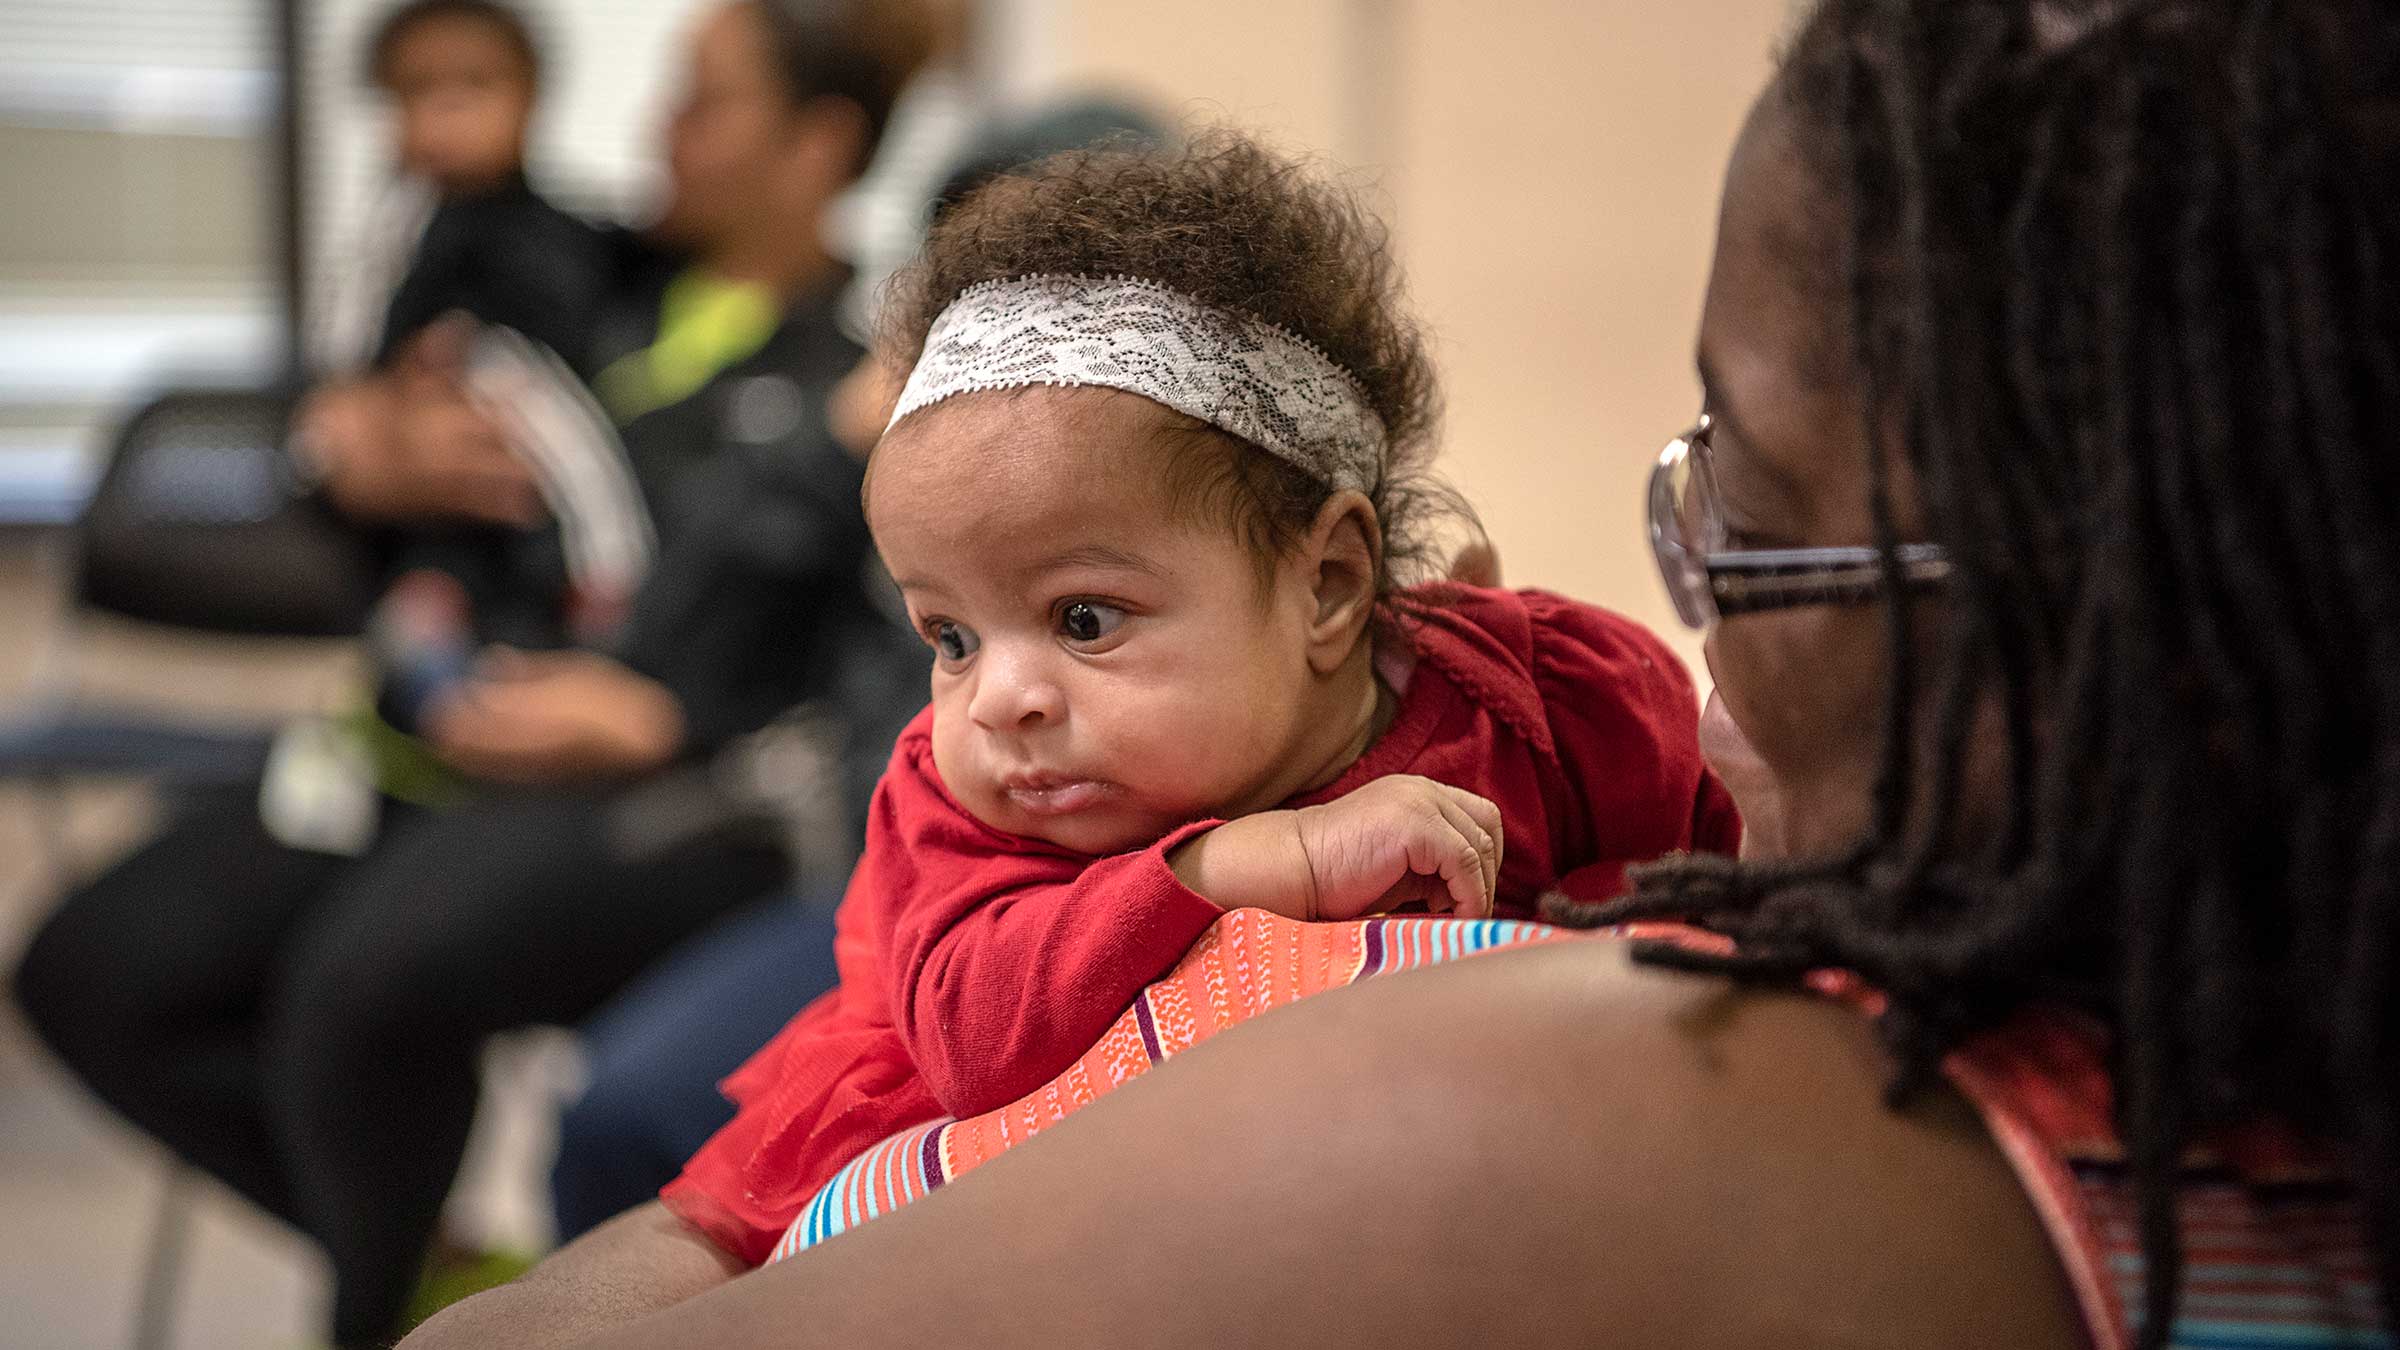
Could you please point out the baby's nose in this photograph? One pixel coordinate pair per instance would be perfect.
(1014, 694)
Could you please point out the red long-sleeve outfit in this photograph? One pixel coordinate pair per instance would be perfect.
(976, 965)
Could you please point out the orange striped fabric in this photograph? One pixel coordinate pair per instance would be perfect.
(1247, 963)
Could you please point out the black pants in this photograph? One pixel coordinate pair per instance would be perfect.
(307, 1028)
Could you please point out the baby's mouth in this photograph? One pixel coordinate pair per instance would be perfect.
(1054, 795)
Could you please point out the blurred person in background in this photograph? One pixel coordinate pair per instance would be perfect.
(877, 225)
(460, 244)
(460, 228)
(658, 1051)
(290, 987)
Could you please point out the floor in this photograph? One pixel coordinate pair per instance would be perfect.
(79, 1194)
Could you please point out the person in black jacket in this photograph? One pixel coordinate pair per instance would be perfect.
(461, 229)
(299, 1010)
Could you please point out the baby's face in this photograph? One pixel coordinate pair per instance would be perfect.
(464, 101)
(1104, 669)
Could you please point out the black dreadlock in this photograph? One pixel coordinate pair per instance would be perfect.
(2119, 269)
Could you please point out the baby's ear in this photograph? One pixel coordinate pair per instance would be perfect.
(1344, 558)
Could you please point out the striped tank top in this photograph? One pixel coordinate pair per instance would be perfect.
(2276, 1255)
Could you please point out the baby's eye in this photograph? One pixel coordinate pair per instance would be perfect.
(953, 642)
(1088, 620)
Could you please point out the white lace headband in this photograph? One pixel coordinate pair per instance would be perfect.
(1241, 375)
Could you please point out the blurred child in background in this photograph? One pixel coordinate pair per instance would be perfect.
(461, 228)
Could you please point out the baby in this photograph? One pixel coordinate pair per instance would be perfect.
(1154, 494)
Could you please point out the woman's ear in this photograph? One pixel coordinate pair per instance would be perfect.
(1342, 558)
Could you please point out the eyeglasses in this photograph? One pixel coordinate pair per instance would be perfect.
(1709, 581)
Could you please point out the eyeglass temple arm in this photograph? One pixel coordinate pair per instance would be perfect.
(1765, 579)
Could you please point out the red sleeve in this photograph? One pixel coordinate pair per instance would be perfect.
(1626, 723)
(1006, 958)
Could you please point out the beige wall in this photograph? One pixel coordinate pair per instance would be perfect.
(1265, 64)
(1551, 167)
(110, 205)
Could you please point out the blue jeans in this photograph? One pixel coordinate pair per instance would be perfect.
(658, 1050)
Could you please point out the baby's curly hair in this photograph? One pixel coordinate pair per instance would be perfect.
(1231, 224)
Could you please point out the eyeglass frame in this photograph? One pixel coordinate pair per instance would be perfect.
(1708, 586)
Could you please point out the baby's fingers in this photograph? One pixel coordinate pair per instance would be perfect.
(1479, 821)
(1484, 813)
(1447, 847)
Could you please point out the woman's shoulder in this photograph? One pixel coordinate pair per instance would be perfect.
(1665, 1126)
(1547, 1147)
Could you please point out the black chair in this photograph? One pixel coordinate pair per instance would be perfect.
(199, 521)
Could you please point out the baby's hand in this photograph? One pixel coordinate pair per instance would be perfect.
(1394, 841)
